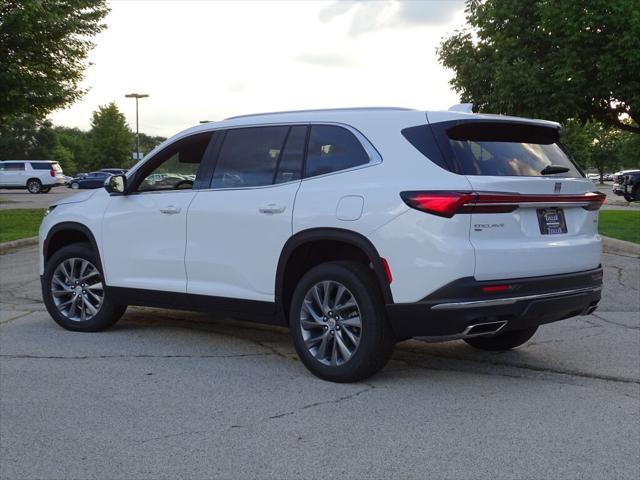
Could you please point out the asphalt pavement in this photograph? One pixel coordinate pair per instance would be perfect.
(167, 394)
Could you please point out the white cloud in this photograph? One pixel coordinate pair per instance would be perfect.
(211, 60)
(370, 16)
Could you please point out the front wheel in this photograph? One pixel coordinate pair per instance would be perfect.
(34, 185)
(75, 186)
(502, 341)
(338, 322)
(73, 291)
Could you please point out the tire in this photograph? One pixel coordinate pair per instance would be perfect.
(34, 185)
(628, 198)
(75, 186)
(71, 260)
(351, 352)
(45, 189)
(502, 341)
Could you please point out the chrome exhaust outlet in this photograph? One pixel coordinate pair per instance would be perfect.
(478, 329)
(589, 310)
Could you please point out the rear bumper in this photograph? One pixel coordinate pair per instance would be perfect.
(451, 310)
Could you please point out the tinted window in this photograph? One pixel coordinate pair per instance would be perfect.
(333, 148)
(13, 166)
(41, 166)
(249, 157)
(502, 149)
(290, 165)
(175, 167)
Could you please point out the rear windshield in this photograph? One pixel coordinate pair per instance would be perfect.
(496, 149)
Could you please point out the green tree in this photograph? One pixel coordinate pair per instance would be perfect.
(556, 59)
(148, 142)
(27, 138)
(43, 48)
(64, 157)
(78, 143)
(110, 139)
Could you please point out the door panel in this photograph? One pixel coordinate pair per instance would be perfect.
(234, 240)
(143, 238)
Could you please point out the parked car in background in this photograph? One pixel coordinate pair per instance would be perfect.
(356, 228)
(594, 177)
(89, 180)
(114, 171)
(37, 176)
(608, 177)
(627, 184)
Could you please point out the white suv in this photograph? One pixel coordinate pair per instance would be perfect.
(356, 228)
(37, 176)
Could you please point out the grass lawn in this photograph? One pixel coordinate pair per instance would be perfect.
(620, 224)
(19, 223)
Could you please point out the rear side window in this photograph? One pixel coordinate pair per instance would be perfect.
(12, 166)
(499, 149)
(249, 157)
(332, 148)
(41, 166)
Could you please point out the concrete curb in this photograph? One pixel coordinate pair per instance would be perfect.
(620, 247)
(22, 242)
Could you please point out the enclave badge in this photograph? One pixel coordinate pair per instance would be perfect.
(557, 188)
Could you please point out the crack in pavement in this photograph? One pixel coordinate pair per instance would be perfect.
(534, 368)
(614, 323)
(620, 273)
(17, 317)
(91, 357)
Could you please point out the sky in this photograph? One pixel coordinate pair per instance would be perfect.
(201, 60)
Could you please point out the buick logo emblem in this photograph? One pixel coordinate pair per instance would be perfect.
(557, 187)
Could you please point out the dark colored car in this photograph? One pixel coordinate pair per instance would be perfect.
(89, 180)
(114, 171)
(627, 184)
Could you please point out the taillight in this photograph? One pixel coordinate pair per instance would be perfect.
(447, 204)
(443, 204)
(52, 172)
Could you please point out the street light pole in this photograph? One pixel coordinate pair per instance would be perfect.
(137, 96)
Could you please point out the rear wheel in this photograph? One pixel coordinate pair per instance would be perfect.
(73, 291)
(338, 322)
(34, 185)
(502, 341)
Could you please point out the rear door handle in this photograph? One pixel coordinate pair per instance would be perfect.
(170, 210)
(272, 208)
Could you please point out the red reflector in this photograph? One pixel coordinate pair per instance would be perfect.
(387, 270)
(496, 288)
(52, 172)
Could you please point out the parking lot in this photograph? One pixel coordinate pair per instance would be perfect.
(168, 394)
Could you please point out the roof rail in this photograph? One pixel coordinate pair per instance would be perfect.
(320, 110)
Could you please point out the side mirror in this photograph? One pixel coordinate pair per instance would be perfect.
(116, 184)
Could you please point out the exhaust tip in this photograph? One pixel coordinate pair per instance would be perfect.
(488, 328)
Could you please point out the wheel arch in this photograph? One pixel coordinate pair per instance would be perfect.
(66, 233)
(328, 236)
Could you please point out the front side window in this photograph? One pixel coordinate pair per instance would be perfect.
(175, 167)
(332, 148)
(249, 157)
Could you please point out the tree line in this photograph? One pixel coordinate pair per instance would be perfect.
(109, 142)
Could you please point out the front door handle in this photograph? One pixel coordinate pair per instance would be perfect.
(272, 208)
(170, 210)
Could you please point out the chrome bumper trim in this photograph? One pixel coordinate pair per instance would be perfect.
(510, 300)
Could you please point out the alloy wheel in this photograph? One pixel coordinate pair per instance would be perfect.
(330, 322)
(77, 289)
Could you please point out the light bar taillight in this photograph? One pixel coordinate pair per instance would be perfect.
(447, 204)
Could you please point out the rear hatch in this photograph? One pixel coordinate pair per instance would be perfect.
(532, 211)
